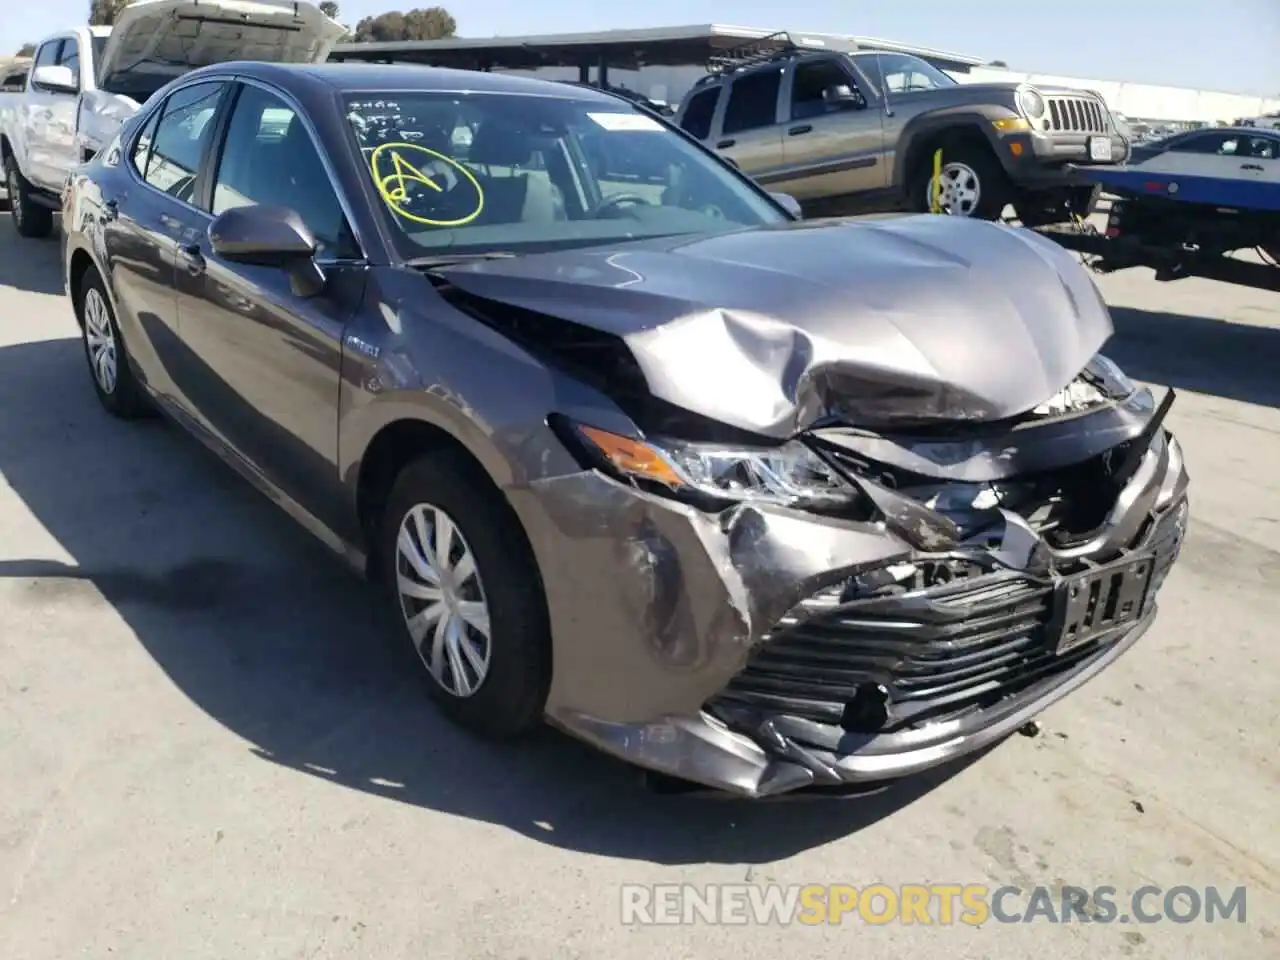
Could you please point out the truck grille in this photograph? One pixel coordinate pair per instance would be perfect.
(1077, 115)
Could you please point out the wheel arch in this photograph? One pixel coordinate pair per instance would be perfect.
(402, 433)
(923, 135)
(79, 262)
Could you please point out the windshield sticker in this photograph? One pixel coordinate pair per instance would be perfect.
(418, 183)
(625, 121)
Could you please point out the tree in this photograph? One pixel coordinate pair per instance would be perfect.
(329, 9)
(431, 23)
(27, 50)
(103, 13)
(998, 63)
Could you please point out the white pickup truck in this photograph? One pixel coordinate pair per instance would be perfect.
(84, 83)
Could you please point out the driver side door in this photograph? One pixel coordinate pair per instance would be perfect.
(264, 360)
(831, 150)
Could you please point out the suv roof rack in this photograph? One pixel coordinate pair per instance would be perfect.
(774, 46)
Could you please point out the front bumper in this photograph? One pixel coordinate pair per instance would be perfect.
(1046, 160)
(674, 634)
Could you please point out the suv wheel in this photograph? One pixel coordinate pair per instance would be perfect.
(30, 219)
(467, 593)
(973, 185)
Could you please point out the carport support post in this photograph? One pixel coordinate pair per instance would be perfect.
(602, 72)
(584, 72)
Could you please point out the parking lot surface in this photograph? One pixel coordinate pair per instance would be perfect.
(208, 752)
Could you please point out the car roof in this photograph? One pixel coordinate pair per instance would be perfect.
(1244, 131)
(375, 77)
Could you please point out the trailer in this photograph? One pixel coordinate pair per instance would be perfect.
(1182, 226)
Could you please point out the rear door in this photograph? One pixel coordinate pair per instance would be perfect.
(1263, 162)
(153, 217)
(1215, 154)
(749, 131)
(830, 149)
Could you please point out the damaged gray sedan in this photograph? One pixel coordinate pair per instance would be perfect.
(756, 504)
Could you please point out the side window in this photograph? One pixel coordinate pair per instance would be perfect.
(142, 146)
(1264, 148)
(1211, 143)
(48, 55)
(70, 58)
(812, 79)
(753, 101)
(180, 137)
(698, 114)
(269, 158)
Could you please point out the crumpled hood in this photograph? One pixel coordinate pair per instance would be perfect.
(878, 323)
(153, 41)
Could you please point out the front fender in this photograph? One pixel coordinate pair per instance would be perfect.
(411, 356)
(922, 130)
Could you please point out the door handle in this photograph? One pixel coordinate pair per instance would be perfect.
(110, 210)
(193, 259)
(803, 128)
(1251, 166)
(725, 143)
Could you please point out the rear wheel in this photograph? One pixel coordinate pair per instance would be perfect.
(118, 390)
(468, 595)
(972, 183)
(30, 219)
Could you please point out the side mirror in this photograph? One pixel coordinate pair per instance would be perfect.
(269, 237)
(788, 203)
(842, 97)
(57, 79)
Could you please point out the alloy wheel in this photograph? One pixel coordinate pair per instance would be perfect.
(442, 599)
(961, 190)
(101, 341)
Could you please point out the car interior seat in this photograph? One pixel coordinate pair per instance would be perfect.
(512, 194)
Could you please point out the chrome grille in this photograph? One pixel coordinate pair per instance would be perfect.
(1076, 115)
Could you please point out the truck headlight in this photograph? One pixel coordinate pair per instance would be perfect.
(1031, 103)
(790, 474)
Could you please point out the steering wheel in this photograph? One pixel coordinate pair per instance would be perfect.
(617, 200)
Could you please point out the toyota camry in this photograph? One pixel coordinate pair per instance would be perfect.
(756, 504)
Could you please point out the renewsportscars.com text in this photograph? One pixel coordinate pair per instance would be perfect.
(926, 904)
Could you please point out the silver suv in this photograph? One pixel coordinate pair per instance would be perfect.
(856, 131)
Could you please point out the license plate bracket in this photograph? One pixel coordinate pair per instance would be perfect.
(1100, 149)
(1098, 601)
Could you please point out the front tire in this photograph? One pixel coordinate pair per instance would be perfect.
(30, 219)
(467, 593)
(113, 381)
(973, 183)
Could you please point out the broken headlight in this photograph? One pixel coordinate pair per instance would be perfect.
(790, 474)
(1099, 382)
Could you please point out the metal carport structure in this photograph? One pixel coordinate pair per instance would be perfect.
(622, 49)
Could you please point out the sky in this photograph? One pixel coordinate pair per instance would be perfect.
(1224, 45)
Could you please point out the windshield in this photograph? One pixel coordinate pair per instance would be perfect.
(903, 73)
(477, 172)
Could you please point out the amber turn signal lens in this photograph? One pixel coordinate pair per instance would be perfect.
(632, 456)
